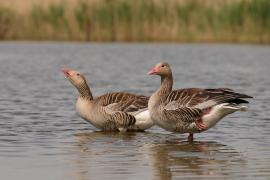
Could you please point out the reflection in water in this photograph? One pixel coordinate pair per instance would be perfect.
(189, 160)
(103, 155)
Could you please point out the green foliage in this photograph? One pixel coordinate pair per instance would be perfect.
(260, 11)
(84, 17)
(50, 20)
(105, 14)
(38, 15)
(149, 11)
(124, 20)
(56, 15)
(53, 15)
(6, 18)
(82, 14)
(123, 12)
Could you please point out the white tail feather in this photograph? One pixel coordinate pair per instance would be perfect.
(220, 111)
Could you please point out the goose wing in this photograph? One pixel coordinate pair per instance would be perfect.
(188, 105)
(120, 118)
(202, 98)
(184, 115)
(121, 107)
(125, 102)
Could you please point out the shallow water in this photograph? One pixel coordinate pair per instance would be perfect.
(42, 137)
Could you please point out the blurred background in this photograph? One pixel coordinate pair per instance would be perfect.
(241, 21)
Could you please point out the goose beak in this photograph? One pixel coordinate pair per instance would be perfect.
(153, 71)
(67, 72)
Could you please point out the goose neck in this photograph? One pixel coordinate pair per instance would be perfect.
(85, 92)
(166, 85)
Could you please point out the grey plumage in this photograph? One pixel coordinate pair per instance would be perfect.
(177, 110)
(111, 111)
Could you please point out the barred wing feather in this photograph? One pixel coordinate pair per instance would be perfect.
(202, 98)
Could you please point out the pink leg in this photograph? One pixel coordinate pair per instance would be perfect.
(199, 125)
(190, 137)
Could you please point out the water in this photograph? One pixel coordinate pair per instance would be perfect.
(42, 137)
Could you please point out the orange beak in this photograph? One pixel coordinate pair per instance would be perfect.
(67, 72)
(153, 71)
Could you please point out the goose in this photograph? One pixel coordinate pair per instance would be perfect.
(118, 111)
(191, 110)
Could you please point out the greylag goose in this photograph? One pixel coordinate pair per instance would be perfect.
(112, 111)
(190, 110)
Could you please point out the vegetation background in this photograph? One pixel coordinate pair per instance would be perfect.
(241, 21)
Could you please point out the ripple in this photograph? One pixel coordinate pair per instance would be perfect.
(40, 131)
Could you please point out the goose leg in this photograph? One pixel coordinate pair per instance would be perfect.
(190, 137)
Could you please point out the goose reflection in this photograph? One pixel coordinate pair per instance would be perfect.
(86, 139)
(151, 155)
(102, 155)
(189, 160)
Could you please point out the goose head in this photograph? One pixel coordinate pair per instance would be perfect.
(162, 69)
(75, 77)
(79, 81)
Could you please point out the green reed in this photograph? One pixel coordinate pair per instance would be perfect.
(6, 19)
(140, 20)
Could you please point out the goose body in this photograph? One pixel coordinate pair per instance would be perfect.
(191, 110)
(118, 111)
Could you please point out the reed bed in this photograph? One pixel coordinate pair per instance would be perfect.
(243, 21)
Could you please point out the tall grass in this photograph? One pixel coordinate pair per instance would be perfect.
(49, 22)
(141, 20)
(84, 17)
(6, 18)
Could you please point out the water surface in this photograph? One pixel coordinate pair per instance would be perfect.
(42, 137)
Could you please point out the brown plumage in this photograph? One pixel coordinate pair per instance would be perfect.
(190, 110)
(112, 111)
